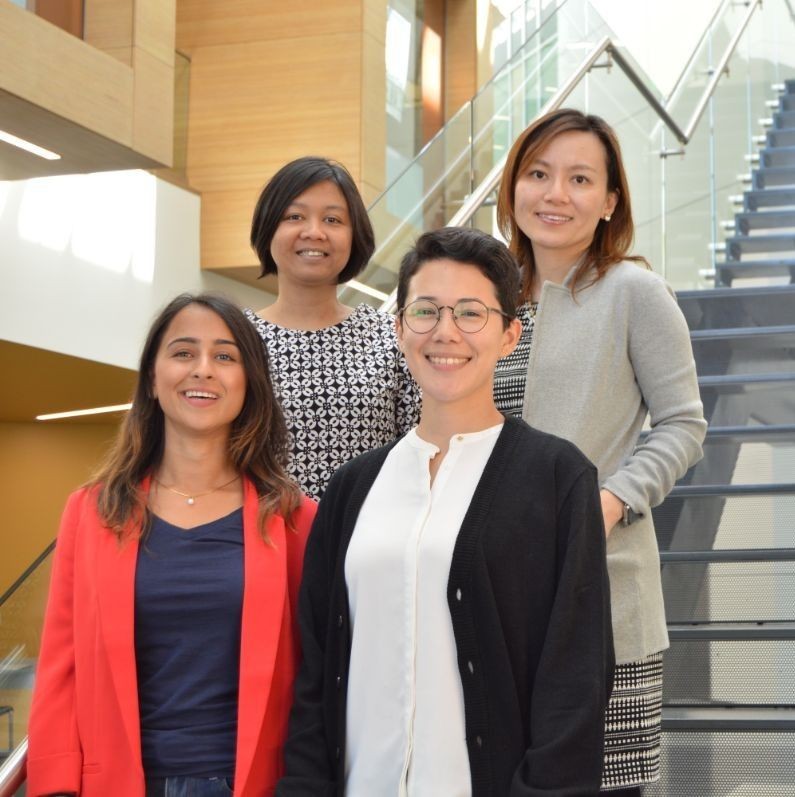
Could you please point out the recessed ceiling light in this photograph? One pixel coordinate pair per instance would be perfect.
(54, 416)
(35, 149)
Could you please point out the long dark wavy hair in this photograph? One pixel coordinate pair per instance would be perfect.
(612, 240)
(258, 442)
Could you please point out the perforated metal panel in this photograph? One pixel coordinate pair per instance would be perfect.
(724, 672)
(696, 764)
(729, 591)
(742, 521)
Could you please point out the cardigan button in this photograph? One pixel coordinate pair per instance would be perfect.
(339, 681)
(340, 621)
(458, 594)
(471, 668)
(479, 741)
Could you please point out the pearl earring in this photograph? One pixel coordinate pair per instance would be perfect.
(608, 217)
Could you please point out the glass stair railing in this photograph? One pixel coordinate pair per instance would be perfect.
(574, 58)
(21, 619)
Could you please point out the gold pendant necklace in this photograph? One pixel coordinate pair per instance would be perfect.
(190, 498)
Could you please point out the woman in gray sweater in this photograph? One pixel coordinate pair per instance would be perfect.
(603, 346)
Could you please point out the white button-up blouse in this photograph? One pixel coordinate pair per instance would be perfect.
(405, 709)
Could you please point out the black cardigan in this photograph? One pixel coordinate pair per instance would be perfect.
(529, 602)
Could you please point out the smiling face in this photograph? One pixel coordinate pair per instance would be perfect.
(198, 377)
(561, 196)
(455, 369)
(312, 243)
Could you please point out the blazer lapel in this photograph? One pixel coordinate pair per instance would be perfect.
(265, 587)
(116, 607)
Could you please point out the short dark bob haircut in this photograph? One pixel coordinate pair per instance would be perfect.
(470, 247)
(291, 181)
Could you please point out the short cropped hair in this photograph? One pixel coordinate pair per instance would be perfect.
(470, 247)
(291, 181)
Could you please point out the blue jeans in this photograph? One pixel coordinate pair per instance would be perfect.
(188, 787)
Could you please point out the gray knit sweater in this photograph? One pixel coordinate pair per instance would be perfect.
(601, 362)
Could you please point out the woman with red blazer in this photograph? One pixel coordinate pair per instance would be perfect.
(170, 644)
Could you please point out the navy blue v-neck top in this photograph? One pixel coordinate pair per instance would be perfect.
(188, 607)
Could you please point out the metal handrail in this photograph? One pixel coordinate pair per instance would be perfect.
(489, 183)
(14, 770)
(27, 572)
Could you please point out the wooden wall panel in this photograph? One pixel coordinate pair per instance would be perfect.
(252, 108)
(75, 81)
(208, 23)
(108, 25)
(461, 54)
(153, 115)
(117, 85)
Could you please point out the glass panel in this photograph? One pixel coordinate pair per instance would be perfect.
(679, 200)
(21, 619)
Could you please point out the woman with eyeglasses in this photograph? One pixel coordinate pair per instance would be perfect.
(603, 346)
(337, 370)
(454, 608)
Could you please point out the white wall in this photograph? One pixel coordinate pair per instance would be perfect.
(86, 261)
(660, 34)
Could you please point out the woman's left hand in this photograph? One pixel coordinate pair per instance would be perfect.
(612, 510)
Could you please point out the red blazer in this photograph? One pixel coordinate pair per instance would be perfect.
(84, 732)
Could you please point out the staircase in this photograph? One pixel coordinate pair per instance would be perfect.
(727, 531)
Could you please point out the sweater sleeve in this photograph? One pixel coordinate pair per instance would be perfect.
(55, 757)
(575, 672)
(308, 770)
(662, 359)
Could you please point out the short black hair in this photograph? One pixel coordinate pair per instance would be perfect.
(291, 181)
(472, 247)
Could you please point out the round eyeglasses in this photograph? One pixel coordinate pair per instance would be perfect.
(469, 315)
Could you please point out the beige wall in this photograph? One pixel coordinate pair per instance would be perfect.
(271, 82)
(40, 464)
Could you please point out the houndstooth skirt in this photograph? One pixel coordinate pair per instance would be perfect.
(632, 725)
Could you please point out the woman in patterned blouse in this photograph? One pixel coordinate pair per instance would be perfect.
(343, 384)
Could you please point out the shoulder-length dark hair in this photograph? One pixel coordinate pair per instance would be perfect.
(289, 182)
(612, 240)
(258, 443)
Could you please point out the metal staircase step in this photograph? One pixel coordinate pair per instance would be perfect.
(726, 632)
(730, 555)
(743, 269)
(784, 137)
(735, 307)
(769, 177)
(723, 718)
(739, 245)
(704, 490)
(764, 220)
(777, 156)
(762, 434)
(785, 102)
(776, 335)
(769, 198)
(783, 119)
(744, 383)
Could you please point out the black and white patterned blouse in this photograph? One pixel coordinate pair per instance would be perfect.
(510, 375)
(344, 389)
